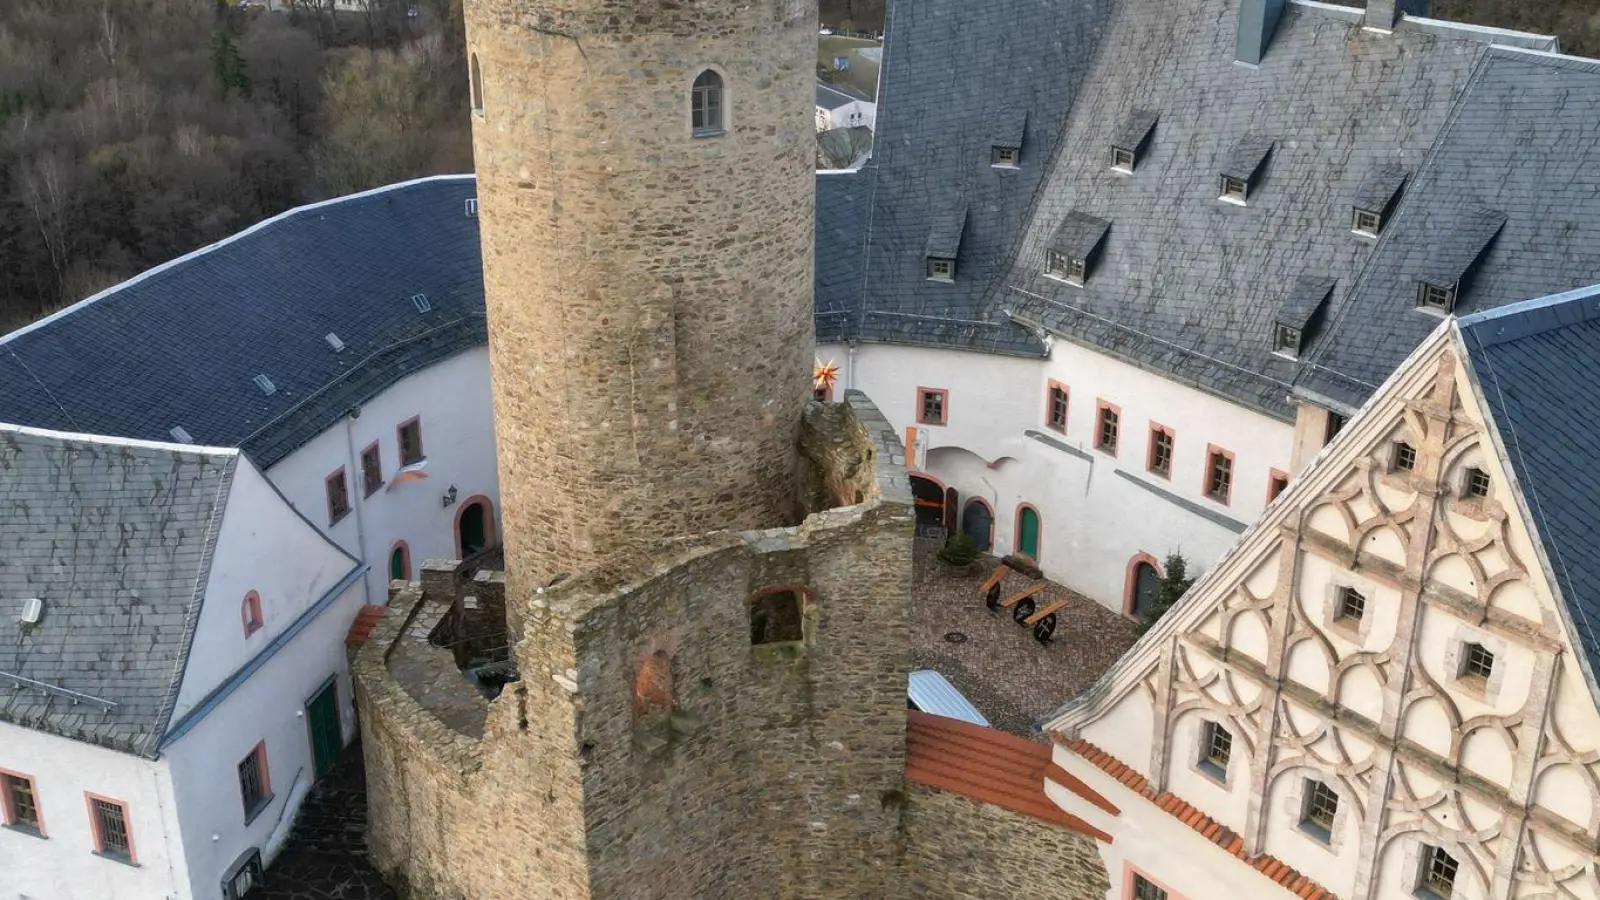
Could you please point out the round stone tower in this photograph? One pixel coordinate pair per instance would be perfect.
(646, 195)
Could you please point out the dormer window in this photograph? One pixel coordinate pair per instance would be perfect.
(1287, 341)
(1007, 130)
(1074, 247)
(1375, 199)
(1299, 313)
(1059, 265)
(944, 244)
(1130, 140)
(1432, 296)
(1244, 166)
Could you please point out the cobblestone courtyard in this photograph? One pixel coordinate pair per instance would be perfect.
(1010, 677)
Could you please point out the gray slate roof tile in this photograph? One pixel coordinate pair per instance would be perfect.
(1538, 365)
(117, 541)
(1247, 156)
(1079, 234)
(1379, 188)
(1304, 300)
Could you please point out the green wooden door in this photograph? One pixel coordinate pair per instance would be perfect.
(323, 713)
(1028, 532)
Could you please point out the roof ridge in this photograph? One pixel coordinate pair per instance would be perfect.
(230, 239)
(66, 437)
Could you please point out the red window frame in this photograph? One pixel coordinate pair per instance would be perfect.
(1277, 483)
(8, 810)
(400, 441)
(922, 406)
(99, 838)
(1156, 428)
(250, 612)
(1101, 408)
(335, 514)
(1050, 420)
(1214, 453)
(371, 469)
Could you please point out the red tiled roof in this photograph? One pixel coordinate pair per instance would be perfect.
(992, 767)
(1209, 828)
(361, 628)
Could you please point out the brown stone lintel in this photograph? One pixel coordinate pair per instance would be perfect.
(1367, 564)
(1409, 752)
(1447, 599)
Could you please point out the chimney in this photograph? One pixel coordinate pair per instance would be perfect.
(1257, 20)
(1385, 13)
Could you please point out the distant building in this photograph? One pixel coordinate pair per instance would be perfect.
(172, 669)
(841, 107)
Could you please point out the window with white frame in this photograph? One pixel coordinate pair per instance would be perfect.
(1216, 748)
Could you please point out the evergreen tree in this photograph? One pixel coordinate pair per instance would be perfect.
(228, 66)
(1174, 584)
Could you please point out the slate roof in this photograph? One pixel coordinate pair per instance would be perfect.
(1538, 366)
(1304, 300)
(1524, 141)
(1079, 234)
(1379, 188)
(181, 345)
(117, 539)
(831, 97)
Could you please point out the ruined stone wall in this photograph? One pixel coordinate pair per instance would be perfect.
(960, 849)
(649, 749)
(649, 292)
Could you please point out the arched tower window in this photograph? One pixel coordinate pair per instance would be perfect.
(477, 85)
(707, 104)
(652, 686)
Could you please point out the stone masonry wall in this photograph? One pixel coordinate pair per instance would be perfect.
(649, 292)
(745, 771)
(960, 849)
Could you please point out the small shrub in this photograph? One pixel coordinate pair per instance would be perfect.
(1174, 583)
(958, 550)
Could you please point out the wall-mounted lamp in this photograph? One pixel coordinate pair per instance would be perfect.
(449, 496)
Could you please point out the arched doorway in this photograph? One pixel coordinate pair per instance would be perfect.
(474, 526)
(927, 496)
(1028, 531)
(400, 562)
(1144, 584)
(977, 520)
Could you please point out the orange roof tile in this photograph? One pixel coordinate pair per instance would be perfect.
(361, 628)
(993, 767)
(1209, 828)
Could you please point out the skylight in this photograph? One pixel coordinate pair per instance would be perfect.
(421, 302)
(334, 342)
(266, 385)
(180, 435)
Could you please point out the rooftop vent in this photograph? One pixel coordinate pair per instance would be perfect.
(472, 207)
(1385, 14)
(31, 611)
(1257, 20)
(180, 435)
(420, 301)
(266, 385)
(333, 341)
(1299, 312)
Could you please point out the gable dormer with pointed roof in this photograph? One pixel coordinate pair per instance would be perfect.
(1387, 687)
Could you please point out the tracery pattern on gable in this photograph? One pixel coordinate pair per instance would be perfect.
(1217, 692)
(1325, 748)
(1540, 876)
(1584, 765)
(1440, 814)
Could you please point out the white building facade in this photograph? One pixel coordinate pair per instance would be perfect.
(171, 766)
(1381, 692)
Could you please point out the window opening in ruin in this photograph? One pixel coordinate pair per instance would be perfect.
(1216, 748)
(776, 617)
(1321, 805)
(652, 685)
(477, 86)
(1436, 878)
(707, 104)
